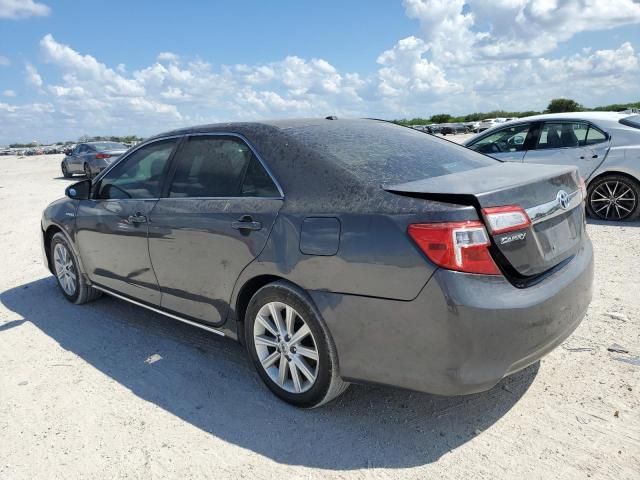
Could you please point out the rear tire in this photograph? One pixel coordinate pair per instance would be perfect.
(70, 279)
(293, 354)
(614, 198)
(87, 171)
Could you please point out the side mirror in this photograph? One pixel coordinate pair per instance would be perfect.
(79, 191)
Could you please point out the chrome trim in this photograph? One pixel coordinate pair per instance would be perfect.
(161, 312)
(553, 208)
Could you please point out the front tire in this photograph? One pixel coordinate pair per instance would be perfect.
(70, 280)
(290, 346)
(65, 171)
(614, 197)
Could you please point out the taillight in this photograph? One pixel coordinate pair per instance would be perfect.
(101, 156)
(506, 219)
(461, 246)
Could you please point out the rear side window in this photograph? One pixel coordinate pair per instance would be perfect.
(218, 166)
(257, 182)
(562, 135)
(594, 136)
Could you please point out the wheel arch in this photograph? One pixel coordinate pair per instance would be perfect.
(246, 292)
(48, 235)
(607, 173)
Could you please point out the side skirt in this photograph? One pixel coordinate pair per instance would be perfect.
(161, 312)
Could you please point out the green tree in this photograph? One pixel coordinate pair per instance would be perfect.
(440, 118)
(558, 105)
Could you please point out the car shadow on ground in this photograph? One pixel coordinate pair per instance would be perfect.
(207, 381)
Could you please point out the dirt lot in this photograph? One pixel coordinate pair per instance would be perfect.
(109, 390)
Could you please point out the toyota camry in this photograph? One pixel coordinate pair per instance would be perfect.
(336, 251)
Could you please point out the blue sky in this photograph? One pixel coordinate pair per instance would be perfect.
(141, 67)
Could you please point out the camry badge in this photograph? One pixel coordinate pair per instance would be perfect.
(563, 199)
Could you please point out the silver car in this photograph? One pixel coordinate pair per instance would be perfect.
(91, 158)
(605, 146)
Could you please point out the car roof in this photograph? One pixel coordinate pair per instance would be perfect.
(610, 116)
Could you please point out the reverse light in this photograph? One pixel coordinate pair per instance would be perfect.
(101, 156)
(506, 219)
(460, 246)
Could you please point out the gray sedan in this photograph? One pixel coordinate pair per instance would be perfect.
(336, 251)
(91, 158)
(605, 146)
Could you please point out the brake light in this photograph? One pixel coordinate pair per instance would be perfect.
(461, 246)
(506, 219)
(101, 156)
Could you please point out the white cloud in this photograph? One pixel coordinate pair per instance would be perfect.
(467, 56)
(4, 61)
(16, 9)
(457, 30)
(168, 57)
(9, 93)
(32, 76)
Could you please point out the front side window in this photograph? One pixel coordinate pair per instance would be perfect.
(140, 174)
(218, 166)
(562, 135)
(509, 139)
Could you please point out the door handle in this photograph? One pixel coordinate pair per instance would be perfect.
(595, 156)
(246, 223)
(137, 218)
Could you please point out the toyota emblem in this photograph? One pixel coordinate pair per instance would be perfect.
(563, 199)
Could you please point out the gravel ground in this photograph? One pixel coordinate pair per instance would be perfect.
(109, 390)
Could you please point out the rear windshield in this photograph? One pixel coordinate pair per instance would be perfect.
(382, 152)
(108, 146)
(632, 121)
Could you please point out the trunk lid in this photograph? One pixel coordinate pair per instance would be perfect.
(550, 194)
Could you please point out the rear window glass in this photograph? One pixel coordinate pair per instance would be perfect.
(108, 146)
(382, 152)
(632, 121)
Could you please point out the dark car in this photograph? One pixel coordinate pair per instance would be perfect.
(454, 128)
(91, 158)
(336, 250)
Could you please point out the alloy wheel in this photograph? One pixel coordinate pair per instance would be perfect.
(65, 269)
(286, 348)
(613, 200)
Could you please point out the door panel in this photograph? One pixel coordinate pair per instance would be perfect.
(112, 227)
(113, 246)
(198, 250)
(567, 143)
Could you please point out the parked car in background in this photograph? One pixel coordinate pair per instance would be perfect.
(605, 146)
(453, 128)
(91, 158)
(488, 123)
(473, 126)
(415, 262)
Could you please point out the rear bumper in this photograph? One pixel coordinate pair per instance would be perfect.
(462, 334)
